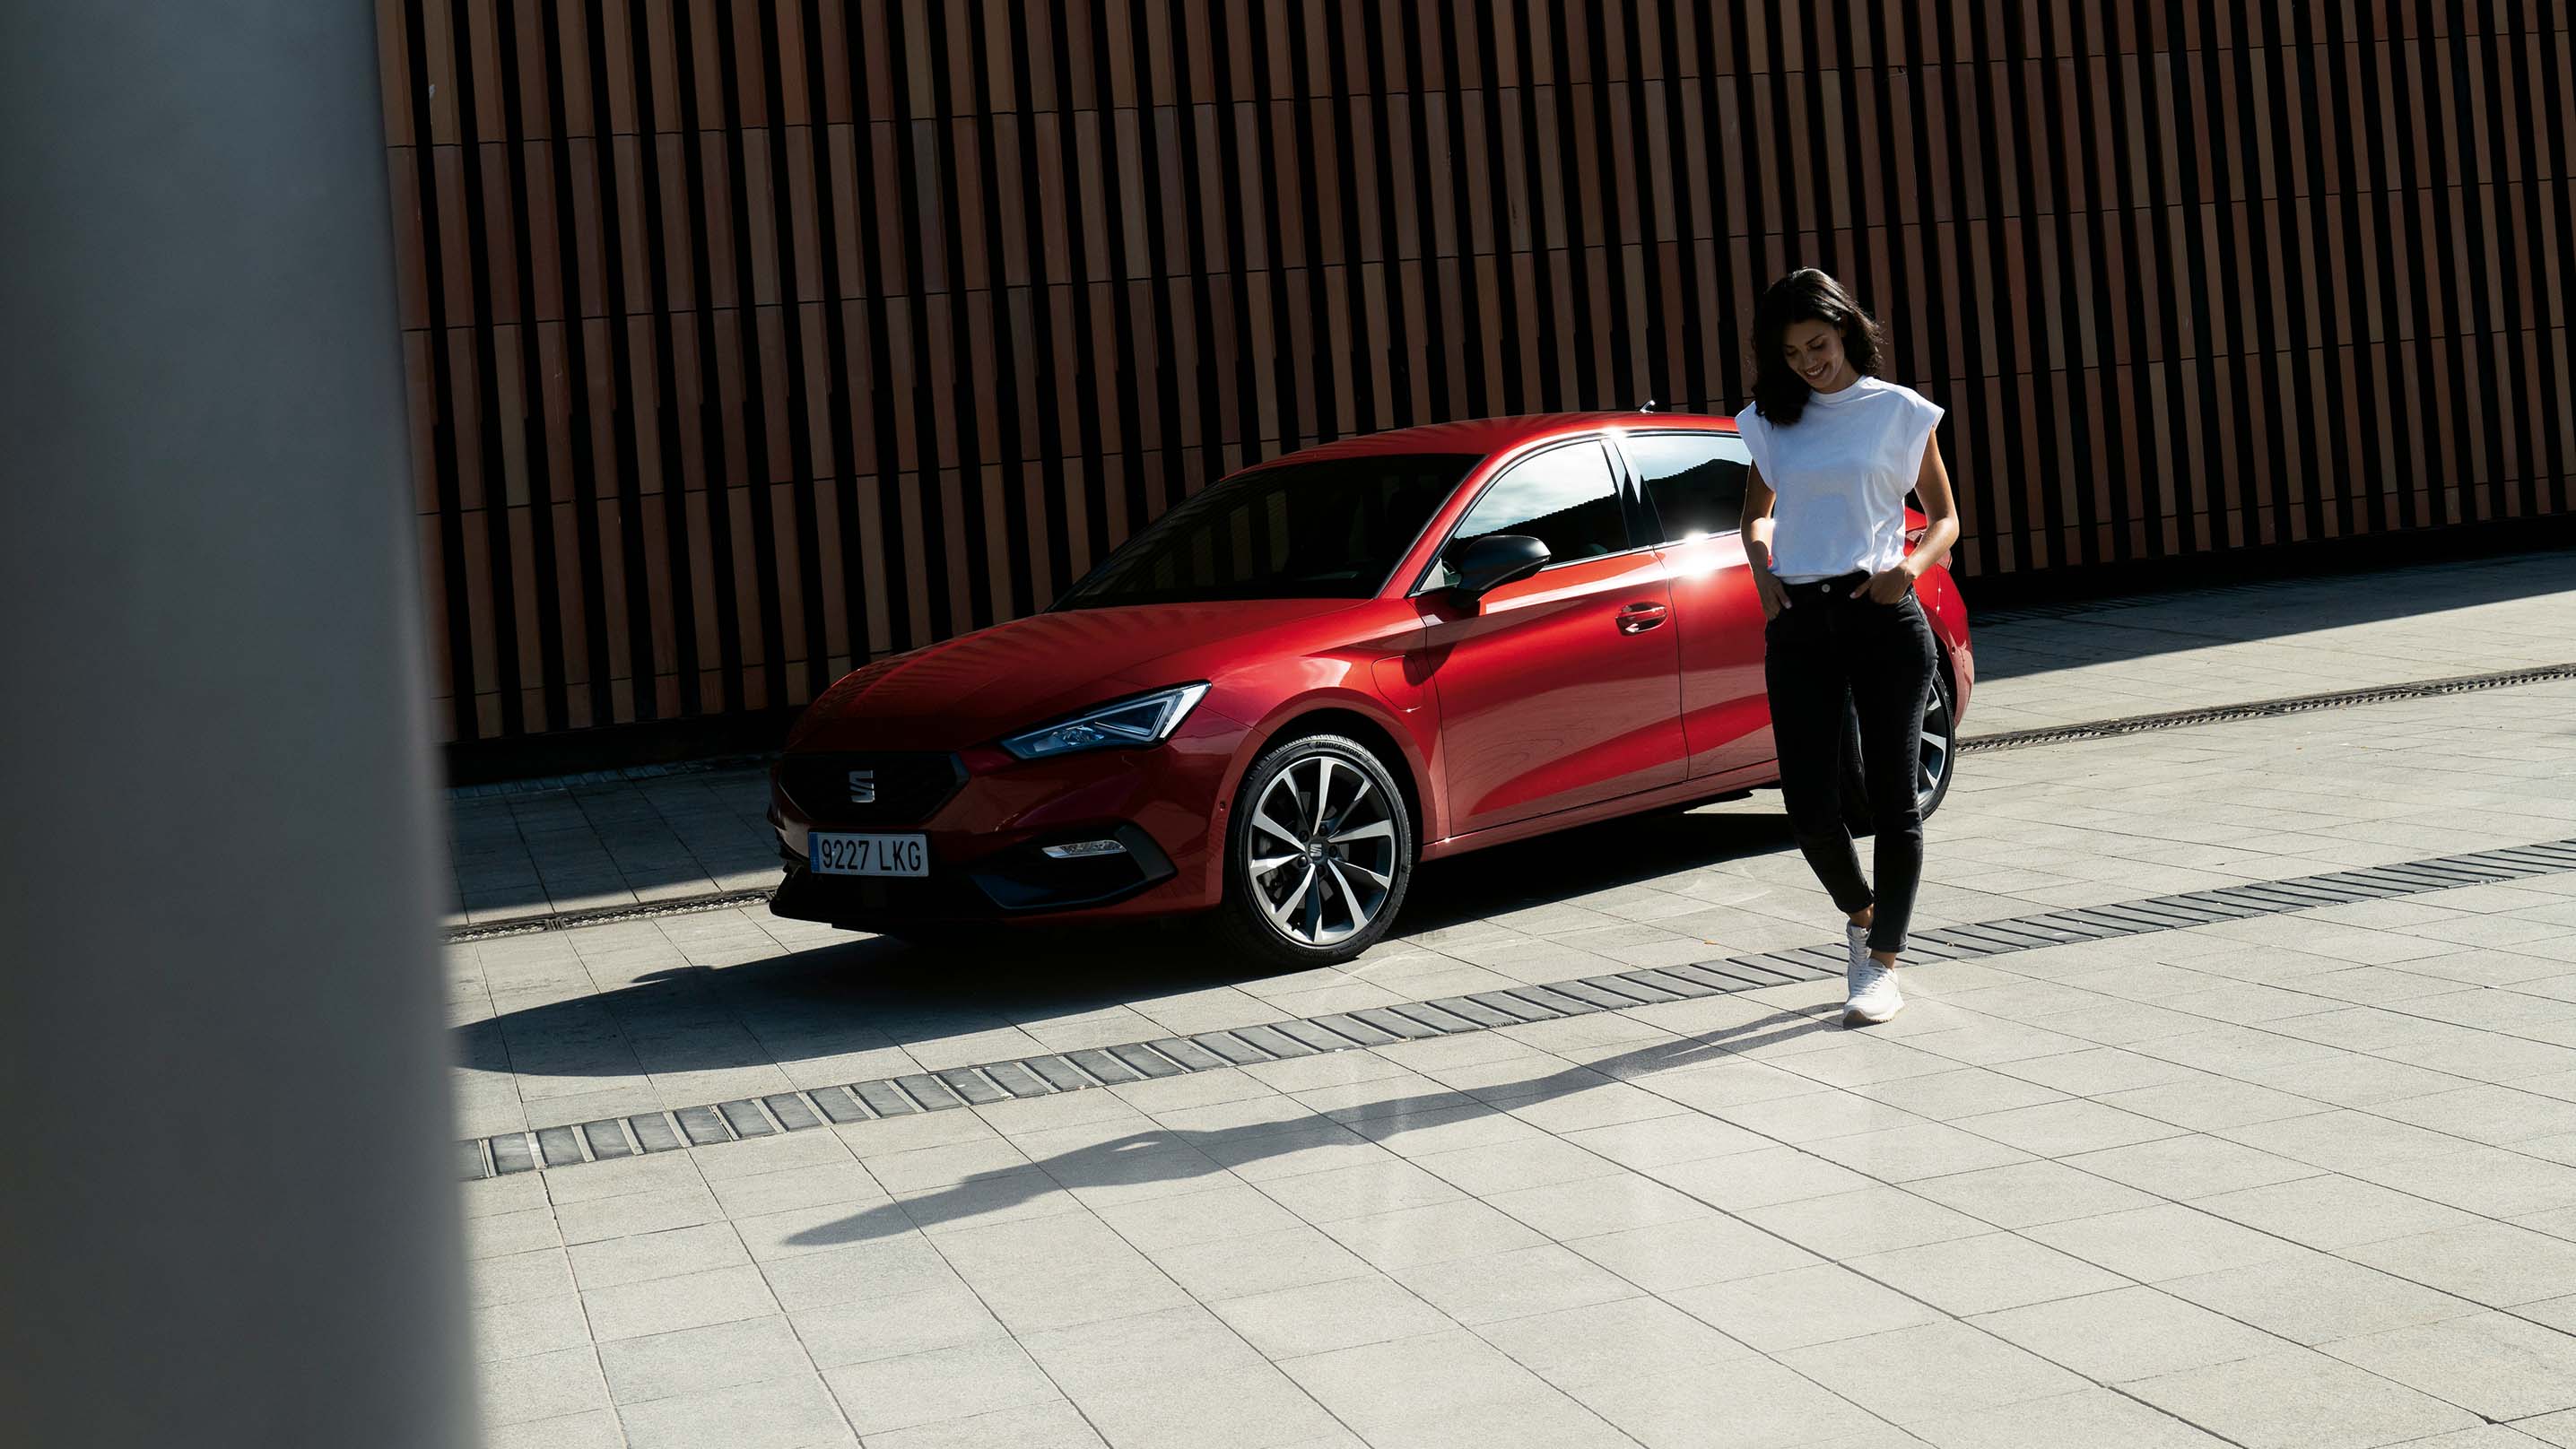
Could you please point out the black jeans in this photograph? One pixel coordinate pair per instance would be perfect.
(1824, 655)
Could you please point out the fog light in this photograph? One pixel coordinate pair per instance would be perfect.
(1084, 849)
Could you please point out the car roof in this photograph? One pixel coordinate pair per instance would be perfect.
(1484, 437)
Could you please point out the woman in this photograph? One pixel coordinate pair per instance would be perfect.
(1834, 451)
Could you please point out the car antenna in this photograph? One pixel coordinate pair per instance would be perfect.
(1648, 407)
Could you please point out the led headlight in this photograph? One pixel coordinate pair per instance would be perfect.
(1141, 720)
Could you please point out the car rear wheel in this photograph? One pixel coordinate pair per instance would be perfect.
(1931, 764)
(1319, 853)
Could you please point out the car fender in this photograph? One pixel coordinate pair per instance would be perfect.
(1939, 594)
(1410, 719)
(1949, 615)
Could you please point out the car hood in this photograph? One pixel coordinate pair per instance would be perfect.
(980, 686)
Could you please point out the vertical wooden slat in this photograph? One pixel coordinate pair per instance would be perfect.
(748, 342)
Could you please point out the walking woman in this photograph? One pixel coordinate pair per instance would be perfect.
(1834, 451)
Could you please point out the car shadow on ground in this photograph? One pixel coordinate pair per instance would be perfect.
(1581, 862)
(1163, 1154)
(872, 991)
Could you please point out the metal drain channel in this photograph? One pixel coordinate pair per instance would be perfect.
(536, 922)
(2264, 708)
(1073, 1071)
(541, 921)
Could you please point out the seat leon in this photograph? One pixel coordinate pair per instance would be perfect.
(1304, 681)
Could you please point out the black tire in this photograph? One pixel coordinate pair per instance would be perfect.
(1247, 921)
(1932, 767)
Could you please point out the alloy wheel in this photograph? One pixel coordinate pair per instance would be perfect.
(1321, 852)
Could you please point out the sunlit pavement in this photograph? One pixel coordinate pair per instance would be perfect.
(2299, 1178)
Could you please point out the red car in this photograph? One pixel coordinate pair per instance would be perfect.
(1305, 680)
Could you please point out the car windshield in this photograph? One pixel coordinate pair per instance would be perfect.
(1329, 529)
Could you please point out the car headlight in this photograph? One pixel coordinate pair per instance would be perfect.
(1142, 720)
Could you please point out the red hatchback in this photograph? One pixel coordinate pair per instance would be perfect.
(1299, 684)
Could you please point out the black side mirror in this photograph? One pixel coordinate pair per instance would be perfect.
(1493, 561)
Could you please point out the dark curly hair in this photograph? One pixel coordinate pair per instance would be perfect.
(1805, 295)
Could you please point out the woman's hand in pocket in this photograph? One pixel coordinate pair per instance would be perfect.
(1887, 586)
(1773, 593)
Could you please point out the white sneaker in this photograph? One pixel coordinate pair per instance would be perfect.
(1873, 995)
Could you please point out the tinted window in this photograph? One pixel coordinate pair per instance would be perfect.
(1695, 480)
(1330, 529)
(1565, 498)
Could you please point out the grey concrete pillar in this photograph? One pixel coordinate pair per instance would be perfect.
(227, 1213)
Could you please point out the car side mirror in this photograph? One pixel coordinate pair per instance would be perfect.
(1493, 561)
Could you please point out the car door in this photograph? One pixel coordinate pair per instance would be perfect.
(1693, 487)
(1560, 690)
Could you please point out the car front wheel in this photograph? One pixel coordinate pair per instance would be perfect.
(1319, 853)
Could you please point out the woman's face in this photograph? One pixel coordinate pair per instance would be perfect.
(1815, 353)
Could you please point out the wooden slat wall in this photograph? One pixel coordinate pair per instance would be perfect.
(749, 340)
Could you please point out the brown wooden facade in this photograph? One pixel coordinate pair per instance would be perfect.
(749, 340)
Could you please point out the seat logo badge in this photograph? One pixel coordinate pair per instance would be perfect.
(863, 787)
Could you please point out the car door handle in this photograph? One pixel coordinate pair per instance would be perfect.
(1638, 618)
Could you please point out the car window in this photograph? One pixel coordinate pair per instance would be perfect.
(1565, 498)
(1694, 480)
(1323, 529)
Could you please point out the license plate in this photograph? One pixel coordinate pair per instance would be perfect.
(834, 853)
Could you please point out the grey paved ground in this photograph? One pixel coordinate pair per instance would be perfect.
(2303, 1180)
(2154, 653)
(619, 843)
(611, 844)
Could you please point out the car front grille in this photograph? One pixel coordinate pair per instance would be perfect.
(909, 787)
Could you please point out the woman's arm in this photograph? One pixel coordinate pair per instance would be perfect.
(1932, 485)
(1758, 500)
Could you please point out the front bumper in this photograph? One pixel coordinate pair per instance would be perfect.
(986, 817)
(1020, 880)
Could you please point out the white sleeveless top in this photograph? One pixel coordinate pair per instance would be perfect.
(1841, 473)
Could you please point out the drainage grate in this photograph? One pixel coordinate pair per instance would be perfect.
(557, 1147)
(604, 915)
(2264, 708)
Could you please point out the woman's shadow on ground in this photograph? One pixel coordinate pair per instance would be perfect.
(1163, 1154)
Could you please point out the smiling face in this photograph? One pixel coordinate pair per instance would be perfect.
(1814, 352)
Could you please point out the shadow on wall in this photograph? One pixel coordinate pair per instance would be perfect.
(873, 993)
(1163, 1154)
(2015, 645)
